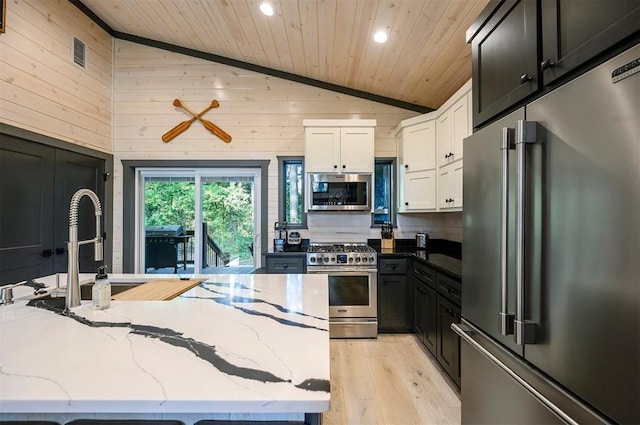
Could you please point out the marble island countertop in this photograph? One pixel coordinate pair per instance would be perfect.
(234, 344)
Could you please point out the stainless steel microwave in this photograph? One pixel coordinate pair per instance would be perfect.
(339, 192)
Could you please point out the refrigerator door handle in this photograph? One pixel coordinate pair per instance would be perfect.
(506, 319)
(524, 331)
(465, 332)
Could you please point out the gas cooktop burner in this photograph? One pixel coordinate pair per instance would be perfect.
(334, 254)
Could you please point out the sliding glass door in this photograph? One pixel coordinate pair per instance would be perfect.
(198, 221)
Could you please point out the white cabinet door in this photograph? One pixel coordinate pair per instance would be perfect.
(450, 187)
(456, 185)
(322, 149)
(444, 187)
(444, 135)
(419, 143)
(461, 126)
(420, 191)
(356, 150)
(453, 127)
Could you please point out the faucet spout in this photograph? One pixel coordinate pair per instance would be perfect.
(73, 274)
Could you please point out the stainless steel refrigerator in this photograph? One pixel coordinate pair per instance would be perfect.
(551, 271)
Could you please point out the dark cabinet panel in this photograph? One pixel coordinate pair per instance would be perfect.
(288, 264)
(420, 302)
(26, 210)
(75, 171)
(450, 288)
(505, 61)
(392, 305)
(426, 316)
(394, 312)
(431, 320)
(392, 266)
(448, 341)
(36, 185)
(520, 47)
(437, 306)
(574, 31)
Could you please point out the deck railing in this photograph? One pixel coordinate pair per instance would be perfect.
(212, 255)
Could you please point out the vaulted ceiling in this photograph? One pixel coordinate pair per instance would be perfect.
(321, 42)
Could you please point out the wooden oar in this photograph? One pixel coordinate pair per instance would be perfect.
(206, 123)
(180, 128)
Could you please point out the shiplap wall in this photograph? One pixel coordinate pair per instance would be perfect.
(41, 89)
(263, 114)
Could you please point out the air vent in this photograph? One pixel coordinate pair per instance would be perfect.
(79, 52)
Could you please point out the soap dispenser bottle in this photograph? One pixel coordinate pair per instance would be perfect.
(101, 293)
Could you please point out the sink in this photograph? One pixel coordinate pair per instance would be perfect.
(116, 288)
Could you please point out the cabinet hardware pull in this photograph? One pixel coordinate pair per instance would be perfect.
(406, 166)
(285, 266)
(547, 64)
(60, 251)
(46, 253)
(335, 166)
(344, 166)
(406, 203)
(525, 78)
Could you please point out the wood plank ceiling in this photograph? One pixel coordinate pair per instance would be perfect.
(423, 63)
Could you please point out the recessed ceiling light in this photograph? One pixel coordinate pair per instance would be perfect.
(266, 8)
(380, 36)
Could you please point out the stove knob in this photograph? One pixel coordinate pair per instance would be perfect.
(372, 259)
(357, 259)
(326, 259)
(312, 259)
(351, 259)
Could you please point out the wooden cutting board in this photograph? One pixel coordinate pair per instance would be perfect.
(157, 290)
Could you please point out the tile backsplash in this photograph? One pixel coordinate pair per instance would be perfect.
(356, 227)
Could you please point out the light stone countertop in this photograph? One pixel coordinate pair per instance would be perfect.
(234, 344)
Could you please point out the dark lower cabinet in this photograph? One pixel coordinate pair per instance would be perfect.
(426, 316)
(437, 306)
(394, 314)
(392, 308)
(448, 352)
(285, 263)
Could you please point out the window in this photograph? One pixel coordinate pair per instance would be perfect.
(291, 205)
(384, 196)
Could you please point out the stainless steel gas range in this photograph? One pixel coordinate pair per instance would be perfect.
(353, 287)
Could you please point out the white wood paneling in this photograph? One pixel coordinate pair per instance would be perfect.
(41, 89)
(425, 60)
(263, 114)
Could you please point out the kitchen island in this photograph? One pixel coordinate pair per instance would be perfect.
(235, 347)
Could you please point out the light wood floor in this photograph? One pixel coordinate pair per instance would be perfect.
(390, 380)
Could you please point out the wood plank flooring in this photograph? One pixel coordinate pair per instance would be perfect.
(388, 381)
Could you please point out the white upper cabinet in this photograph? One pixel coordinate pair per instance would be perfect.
(450, 187)
(339, 146)
(419, 147)
(430, 156)
(453, 126)
(416, 144)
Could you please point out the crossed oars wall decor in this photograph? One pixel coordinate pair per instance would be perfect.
(184, 125)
